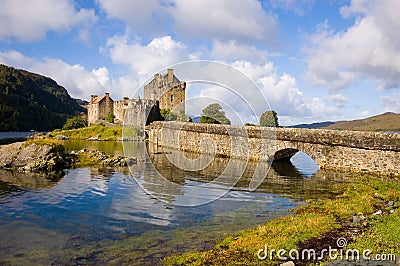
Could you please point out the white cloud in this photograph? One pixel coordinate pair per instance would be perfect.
(138, 14)
(232, 51)
(338, 100)
(281, 92)
(146, 59)
(225, 19)
(369, 48)
(79, 82)
(196, 19)
(297, 6)
(285, 97)
(28, 20)
(391, 103)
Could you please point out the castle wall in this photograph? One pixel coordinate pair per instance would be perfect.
(137, 111)
(174, 98)
(164, 91)
(119, 110)
(99, 108)
(168, 90)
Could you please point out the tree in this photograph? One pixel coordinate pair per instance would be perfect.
(213, 114)
(110, 118)
(74, 123)
(168, 115)
(269, 119)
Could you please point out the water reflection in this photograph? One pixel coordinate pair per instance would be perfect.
(94, 209)
(156, 173)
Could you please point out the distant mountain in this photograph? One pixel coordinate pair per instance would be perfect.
(313, 125)
(82, 103)
(383, 122)
(31, 101)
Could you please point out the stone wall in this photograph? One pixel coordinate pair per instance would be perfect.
(99, 108)
(174, 98)
(331, 149)
(138, 111)
(119, 109)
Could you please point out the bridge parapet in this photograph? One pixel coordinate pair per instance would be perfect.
(351, 139)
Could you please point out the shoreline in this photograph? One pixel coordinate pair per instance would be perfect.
(366, 215)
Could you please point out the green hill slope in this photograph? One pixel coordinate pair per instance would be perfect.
(31, 101)
(383, 122)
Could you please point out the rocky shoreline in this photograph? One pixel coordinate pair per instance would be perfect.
(50, 157)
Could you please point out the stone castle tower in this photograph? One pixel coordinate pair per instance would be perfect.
(168, 90)
(164, 91)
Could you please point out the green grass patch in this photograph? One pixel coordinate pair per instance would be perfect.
(56, 146)
(312, 221)
(100, 131)
(42, 141)
(85, 160)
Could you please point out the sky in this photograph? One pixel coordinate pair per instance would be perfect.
(312, 60)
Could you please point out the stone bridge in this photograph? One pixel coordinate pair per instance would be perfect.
(354, 151)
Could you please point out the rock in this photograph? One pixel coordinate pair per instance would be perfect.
(356, 220)
(377, 213)
(33, 157)
(61, 137)
(93, 138)
(8, 153)
(31, 153)
(288, 263)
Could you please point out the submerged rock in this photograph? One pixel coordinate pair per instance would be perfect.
(99, 157)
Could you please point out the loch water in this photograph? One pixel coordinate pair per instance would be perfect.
(98, 215)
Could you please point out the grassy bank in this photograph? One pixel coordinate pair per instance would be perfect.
(316, 226)
(93, 131)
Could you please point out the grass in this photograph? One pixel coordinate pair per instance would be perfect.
(55, 145)
(85, 160)
(101, 131)
(313, 221)
(42, 141)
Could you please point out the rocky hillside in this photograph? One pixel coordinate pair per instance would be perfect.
(31, 101)
(383, 122)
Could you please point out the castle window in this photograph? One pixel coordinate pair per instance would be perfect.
(172, 98)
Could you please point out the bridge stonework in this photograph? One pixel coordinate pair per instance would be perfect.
(354, 151)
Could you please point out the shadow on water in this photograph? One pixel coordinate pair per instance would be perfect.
(101, 215)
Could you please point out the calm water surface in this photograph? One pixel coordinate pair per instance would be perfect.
(104, 216)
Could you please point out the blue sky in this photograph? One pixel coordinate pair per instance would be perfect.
(313, 60)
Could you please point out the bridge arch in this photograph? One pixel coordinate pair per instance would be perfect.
(285, 150)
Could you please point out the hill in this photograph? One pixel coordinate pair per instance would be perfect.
(313, 125)
(31, 101)
(383, 122)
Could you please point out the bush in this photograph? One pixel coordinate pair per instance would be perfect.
(110, 118)
(75, 123)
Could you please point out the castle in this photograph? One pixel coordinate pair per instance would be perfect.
(164, 91)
